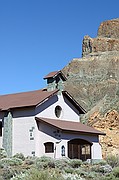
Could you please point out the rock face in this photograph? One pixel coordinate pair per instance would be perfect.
(109, 29)
(99, 44)
(107, 39)
(93, 81)
(109, 124)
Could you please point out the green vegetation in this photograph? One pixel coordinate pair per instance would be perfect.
(113, 161)
(3, 153)
(19, 167)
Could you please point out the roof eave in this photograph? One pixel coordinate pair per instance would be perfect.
(31, 105)
(78, 106)
(73, 131)
(55, 74)
(85, 132)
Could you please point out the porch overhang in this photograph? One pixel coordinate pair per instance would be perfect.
(69, 126)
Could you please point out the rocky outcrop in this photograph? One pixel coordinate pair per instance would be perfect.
(109, 123)
(95, 76)
(93, 81)
(109, 29)
(99, 44)
(107, 39)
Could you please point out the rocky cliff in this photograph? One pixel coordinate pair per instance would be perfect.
(94, 81)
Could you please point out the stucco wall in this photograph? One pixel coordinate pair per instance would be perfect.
(24, 129)
(48, 134)
(29, 140)
(69, 112)
(26, 137)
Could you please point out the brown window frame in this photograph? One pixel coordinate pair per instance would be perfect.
(49, 147)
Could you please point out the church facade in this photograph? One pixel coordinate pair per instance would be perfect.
(47, 122)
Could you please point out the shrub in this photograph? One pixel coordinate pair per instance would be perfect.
(75, 163)
(109, 177)
(3, 153)
(19, 156)
(35, 174)
(116, 172)
(102, 162)
(99, 162)
(44, 159)
(113, 160)
(8, 173)
(102, 169)
(69, 170)
(61, 163)
(92, 175)
(5, 162)
(29, 160)
(72, 177)
(44, 162)
(20, 176)
(82, 172)
(105, 169)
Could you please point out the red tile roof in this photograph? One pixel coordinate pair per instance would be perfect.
(70, 126)
(25, 99)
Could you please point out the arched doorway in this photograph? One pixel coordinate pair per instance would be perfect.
(79, 149)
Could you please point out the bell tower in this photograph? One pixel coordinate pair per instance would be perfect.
(55, 81)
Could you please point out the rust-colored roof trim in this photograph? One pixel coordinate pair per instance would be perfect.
(54, 74)
(74, 127)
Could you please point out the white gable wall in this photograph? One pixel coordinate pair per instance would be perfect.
(69, 112)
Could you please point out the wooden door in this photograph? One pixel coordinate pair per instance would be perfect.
(79, 149)
(74, 151)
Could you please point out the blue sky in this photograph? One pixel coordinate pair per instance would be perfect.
(40, 36)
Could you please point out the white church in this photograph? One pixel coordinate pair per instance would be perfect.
(47, 122)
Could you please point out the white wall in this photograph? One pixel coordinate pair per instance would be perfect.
(46, 134)
(24, 120)
(69, 112)
(96, 151)
(21, 135)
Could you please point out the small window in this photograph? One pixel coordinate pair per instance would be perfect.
(49, 147)
(85, 151)
(58, 111)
